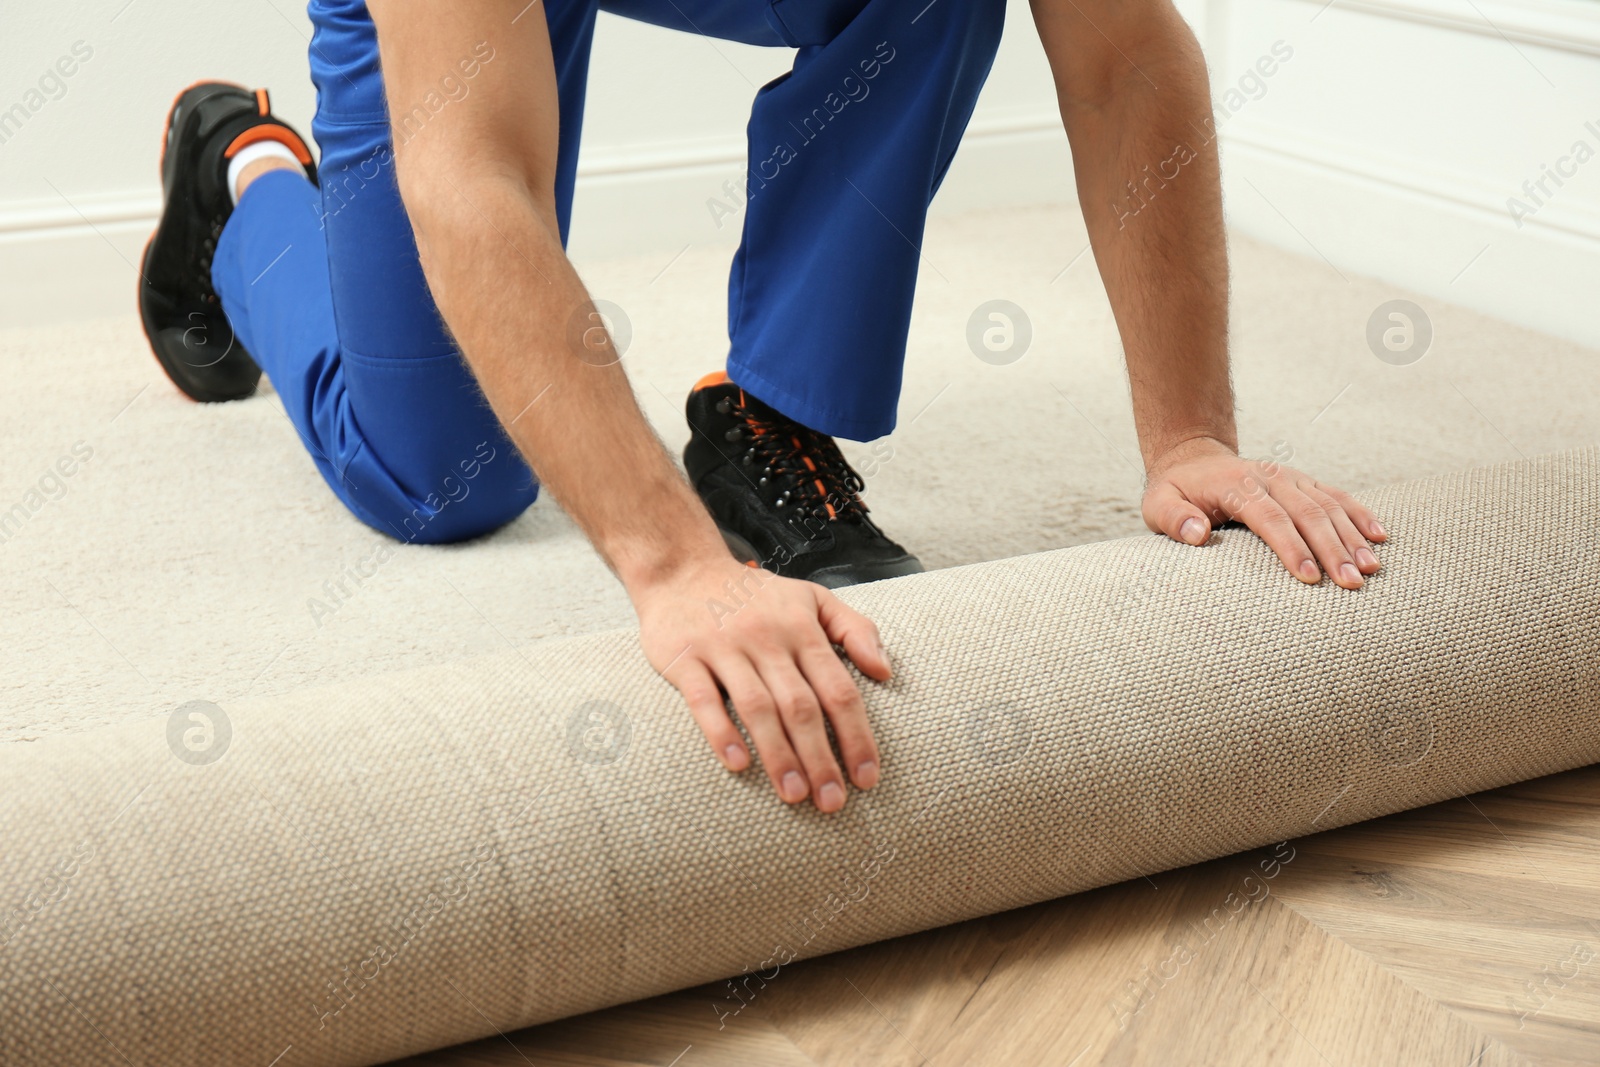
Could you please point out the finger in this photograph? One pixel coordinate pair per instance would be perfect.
(1354, 543)
(858, 634)
(759, 712)
(842, 703)
(801, 714)
(700, 691)
(1168, 511)
(1316, 527)
(1359, 513)
(1273, 525)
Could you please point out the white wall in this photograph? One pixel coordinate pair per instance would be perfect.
(1391, 142)
(664, 130)
(1388, 144)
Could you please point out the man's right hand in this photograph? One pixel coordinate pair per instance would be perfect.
(716, 626)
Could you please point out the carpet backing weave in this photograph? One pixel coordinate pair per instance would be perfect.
(351, 874)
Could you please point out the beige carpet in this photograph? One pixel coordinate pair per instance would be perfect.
(182, 560)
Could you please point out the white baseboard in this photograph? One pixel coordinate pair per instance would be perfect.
(1440, 234)
(62, 259)
(1562, 25)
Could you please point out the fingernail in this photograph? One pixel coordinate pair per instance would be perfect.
(1193, 531)
(1365, 557)
(1377, 529)
(735, 757)
(867, 774)
(1309, 571)
(830, 797)
(1348, 572)
(794, 787)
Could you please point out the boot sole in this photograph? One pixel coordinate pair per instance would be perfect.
(174, 369)
(838, 576)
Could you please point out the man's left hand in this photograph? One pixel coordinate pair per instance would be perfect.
(1202, 482)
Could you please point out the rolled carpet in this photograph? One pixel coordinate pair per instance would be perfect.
(352, 874)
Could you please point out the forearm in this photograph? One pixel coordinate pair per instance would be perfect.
(521, 317)
(1148, 180)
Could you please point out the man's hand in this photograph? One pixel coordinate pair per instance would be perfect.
(1202, 482)
(768, 642)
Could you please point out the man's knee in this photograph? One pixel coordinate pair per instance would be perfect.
(474, 516)
(462, 502)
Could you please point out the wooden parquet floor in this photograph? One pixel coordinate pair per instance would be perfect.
(1466, 934)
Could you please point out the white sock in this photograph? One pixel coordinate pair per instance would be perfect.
(252, 152)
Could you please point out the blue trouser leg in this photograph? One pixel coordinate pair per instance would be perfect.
(846, 153)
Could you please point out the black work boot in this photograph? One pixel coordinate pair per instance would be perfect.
(182, 314)
(782, 494)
